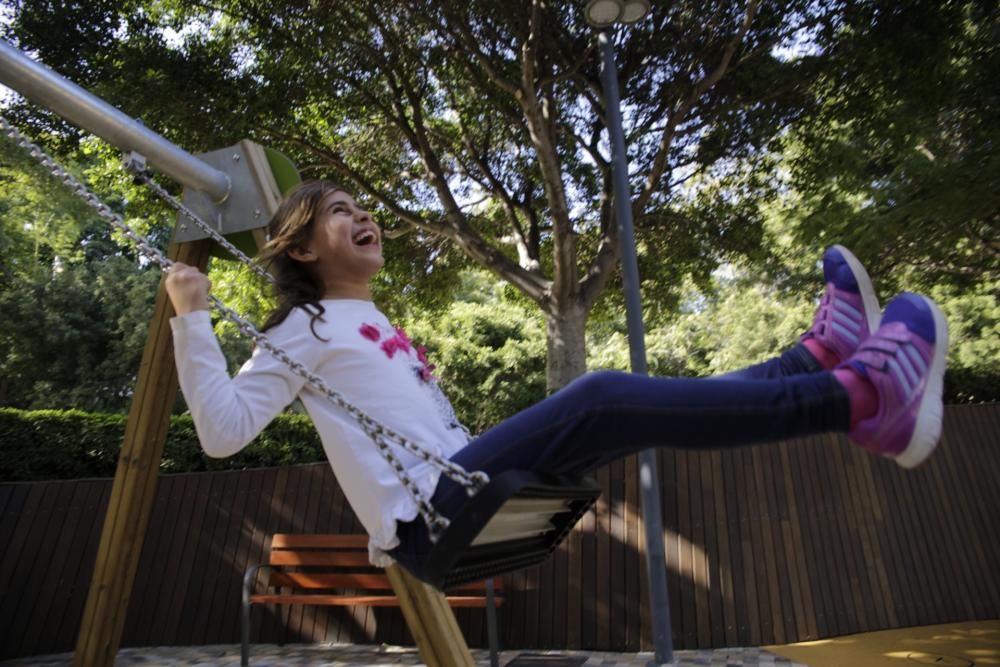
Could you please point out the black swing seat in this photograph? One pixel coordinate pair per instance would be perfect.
(514, 522)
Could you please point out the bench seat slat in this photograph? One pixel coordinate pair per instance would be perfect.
(362, 600)
(297, 541)
(359, 580)
(478, 586)
(334, 571)
(323, 580)
(326, 558)
(336, 600)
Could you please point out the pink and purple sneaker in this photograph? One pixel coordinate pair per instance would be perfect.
(904, 360)
(848, 313)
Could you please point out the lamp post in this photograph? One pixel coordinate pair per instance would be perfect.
(603, 14)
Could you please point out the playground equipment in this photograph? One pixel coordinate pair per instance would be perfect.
(511, 522)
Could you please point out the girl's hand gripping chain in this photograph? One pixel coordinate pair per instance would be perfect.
(187, 288)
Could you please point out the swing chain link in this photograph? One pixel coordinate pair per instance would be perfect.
(472, 482)
(145, 178)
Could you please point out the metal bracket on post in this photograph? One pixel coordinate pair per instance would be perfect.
(252, 197)
(135, 163)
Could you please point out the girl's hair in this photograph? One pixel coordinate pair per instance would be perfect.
(295, 283)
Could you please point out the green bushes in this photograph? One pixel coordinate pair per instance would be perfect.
(490, 359)
(70, 444)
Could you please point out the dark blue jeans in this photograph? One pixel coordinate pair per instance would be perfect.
(606, 415)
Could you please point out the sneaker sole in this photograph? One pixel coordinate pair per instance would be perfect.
(930, 416)
(867, 290)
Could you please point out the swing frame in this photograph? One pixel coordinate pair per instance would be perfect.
(132, 491)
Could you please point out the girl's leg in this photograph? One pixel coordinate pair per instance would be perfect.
(607, 415)
(604, 416)
(848, 313)
(796, 360)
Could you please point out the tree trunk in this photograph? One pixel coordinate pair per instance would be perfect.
(566, 346)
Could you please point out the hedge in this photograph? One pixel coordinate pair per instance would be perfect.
(70, 444)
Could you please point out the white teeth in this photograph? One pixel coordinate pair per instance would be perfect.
(365, 238)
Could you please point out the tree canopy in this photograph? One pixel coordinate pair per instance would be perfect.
(757, 132)
(479, 127)
(900, 157)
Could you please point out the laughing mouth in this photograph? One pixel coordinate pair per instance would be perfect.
(366, 238)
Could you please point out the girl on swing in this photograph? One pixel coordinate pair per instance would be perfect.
(875, 376)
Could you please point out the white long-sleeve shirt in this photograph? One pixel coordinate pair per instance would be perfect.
(373, 365)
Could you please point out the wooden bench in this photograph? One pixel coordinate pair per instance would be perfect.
(317, 569)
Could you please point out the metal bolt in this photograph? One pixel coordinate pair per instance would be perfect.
(256, 213)
(184, 227)
(236, 157)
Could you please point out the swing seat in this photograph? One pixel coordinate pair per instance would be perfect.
(514, 522)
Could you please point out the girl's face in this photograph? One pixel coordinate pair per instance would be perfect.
(345, 247)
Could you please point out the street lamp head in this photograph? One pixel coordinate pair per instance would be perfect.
(634, 10)
(605, 13)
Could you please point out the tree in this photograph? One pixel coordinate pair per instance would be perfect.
(75, 338)
(494, 349)
(76, 304)
(900, 158)
(899, 162)
(478, 128)
(478, 125)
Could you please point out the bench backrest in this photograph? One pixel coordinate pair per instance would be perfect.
(333, 562)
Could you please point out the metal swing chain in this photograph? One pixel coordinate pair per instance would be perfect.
(381, 435)
(146, 179)
(143, 176)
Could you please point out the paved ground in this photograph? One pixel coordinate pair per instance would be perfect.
(953, 645)
(327, 655)
(972, 644)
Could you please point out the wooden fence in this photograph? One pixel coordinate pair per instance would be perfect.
(811, 538)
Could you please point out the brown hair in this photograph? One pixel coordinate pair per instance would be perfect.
(295, 284)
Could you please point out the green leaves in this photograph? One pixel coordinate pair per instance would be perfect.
(490, 358)
(76, 305)
(70, 444)
(899, 159)
(75, 338)
(873, 124)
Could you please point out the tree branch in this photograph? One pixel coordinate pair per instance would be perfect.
(603, 265)
(469, 44)
(541, 131)
(466, 238)
(660, 160)
(571, 70)
(529, 259)
(331, 158)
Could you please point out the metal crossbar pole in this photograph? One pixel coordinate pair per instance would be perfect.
(52, 91)
(656, 567)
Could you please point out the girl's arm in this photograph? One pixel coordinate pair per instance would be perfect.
(229, 412)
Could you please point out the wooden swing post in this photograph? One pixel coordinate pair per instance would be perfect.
(135, 481)
(431, 621)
